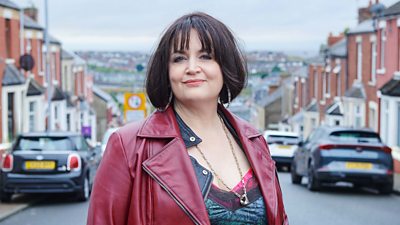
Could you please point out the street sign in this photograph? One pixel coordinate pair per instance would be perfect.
(134, 106)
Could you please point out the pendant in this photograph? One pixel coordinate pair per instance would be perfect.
(244, 200)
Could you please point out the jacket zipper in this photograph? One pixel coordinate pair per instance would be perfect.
(173, 197)
(209, 187)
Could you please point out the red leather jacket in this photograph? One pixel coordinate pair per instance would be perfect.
(146, 176)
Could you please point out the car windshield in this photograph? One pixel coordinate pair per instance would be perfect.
(44, 144)
(282, 139)
(358, 136)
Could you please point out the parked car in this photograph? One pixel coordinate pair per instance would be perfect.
(334, 154)
(49, 162)
(106, 136)
(282, 145)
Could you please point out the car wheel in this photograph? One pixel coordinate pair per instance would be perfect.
(5, 197)
(296, 179)
(386, 189)
(84, 193)
(313, 182)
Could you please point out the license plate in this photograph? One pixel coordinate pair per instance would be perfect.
(358, 165)
(284, 146)
(40, 165)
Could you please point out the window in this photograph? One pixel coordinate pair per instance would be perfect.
(372, 118)
(383, 45)
(39, 57)
(328, 84)
(385, 119)
(359, 61)
(304, 89)
(398, 124)
(32, 109)
(338, 83)
(313, 123)
(8, 38)
(323, 85)
(357, 116)
(337, 122)
(373, 62)
(10, 116)
(55, 112)
(316, 84)
(69, 121)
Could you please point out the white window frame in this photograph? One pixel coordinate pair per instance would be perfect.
(383, 46)
(32, 116)
(385, 120)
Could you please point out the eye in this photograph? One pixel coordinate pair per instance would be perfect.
(206, 56)
(177, 58)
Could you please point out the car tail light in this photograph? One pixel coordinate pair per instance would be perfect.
(386, 149)
(326, 147)
(8, 162)
(74, 162)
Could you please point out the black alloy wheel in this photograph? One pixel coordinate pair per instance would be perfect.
(296, 179)
(385, 189)
(84, 193)
(313, 182)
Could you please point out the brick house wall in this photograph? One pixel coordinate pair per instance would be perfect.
(391, 50)
(371, 101)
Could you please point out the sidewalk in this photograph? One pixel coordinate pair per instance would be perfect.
(9, 209)
(396, 164)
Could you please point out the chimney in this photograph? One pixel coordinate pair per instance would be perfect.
(31, 12)
(365, 13)
(332, 39)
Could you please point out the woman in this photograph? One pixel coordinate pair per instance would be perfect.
(192, 161)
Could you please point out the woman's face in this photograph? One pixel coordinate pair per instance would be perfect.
(194, 74)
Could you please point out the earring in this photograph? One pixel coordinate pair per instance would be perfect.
(229, 96)
(162, 109)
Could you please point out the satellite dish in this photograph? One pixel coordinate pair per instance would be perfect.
(26, 62)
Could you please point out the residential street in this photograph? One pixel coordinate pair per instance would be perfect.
(333, 206)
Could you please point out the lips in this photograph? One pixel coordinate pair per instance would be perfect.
(194, 82)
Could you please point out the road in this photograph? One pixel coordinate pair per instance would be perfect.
(339, 205)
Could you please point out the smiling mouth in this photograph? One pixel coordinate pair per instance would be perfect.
(193, 82)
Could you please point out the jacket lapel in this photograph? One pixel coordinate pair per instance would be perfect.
(171, 166)
(260, 162)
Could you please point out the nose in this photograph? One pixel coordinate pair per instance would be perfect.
(193, 66)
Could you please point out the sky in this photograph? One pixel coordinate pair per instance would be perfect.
(136, 25)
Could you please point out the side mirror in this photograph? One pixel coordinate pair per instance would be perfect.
(300, 144)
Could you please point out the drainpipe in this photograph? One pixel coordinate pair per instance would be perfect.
(48, 75)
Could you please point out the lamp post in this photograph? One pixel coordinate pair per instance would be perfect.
(48, 74)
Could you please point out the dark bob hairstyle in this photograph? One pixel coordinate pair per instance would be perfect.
(215, 38)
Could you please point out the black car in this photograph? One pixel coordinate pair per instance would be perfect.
(49, 162)
(338, 154)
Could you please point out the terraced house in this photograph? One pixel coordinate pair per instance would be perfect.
(29, 78)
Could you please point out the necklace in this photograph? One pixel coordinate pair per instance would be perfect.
(244, 200)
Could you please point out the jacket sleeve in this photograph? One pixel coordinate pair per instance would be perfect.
(280, 201)
(283, 219)
(111, 194)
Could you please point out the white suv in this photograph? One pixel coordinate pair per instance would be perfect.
(282, 146)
